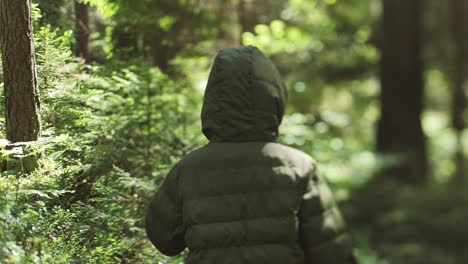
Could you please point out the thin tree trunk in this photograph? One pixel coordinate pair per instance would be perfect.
(399, 131)
(82, 30)
(244, 15)
(164, 53)
(229, 35)
(459, 24)
(161, 55)
(19, 71)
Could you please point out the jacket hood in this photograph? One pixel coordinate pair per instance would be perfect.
(244, 98)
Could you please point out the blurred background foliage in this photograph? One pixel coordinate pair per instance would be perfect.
(116, 121)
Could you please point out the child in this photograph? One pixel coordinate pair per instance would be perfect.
(243, 198)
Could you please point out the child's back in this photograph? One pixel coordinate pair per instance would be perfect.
(243, 198)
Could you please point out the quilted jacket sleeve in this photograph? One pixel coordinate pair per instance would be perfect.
(322, 228)
(164, 226)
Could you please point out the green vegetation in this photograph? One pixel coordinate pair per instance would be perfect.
(113, 126)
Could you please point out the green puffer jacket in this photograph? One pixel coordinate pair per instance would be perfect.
(243, 198)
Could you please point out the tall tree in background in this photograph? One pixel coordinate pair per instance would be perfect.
(246, 21)
(82, 30)
(19, 70)
(229, 13)
(399, 129)
(459, 25)
(163, 52)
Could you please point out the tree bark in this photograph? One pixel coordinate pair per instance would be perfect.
(459, 24)
(228, 34)
(82, 30)
(246, 21)
(163, 53)
(160, 52)
(19, 71)
(161, 56)
(399, 131)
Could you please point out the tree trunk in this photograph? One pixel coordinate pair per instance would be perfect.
(19, 71)
(244, 14)
(459, 24)
(82, 31)
(163, 53)
(161, 56)
(229, 32)
(399, 131)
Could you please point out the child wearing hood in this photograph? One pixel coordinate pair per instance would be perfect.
(243, 198)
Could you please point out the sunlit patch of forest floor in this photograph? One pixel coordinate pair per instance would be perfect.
(411, 224)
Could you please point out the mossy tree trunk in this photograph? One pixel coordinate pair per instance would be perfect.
(402, 92)
(22, 111)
